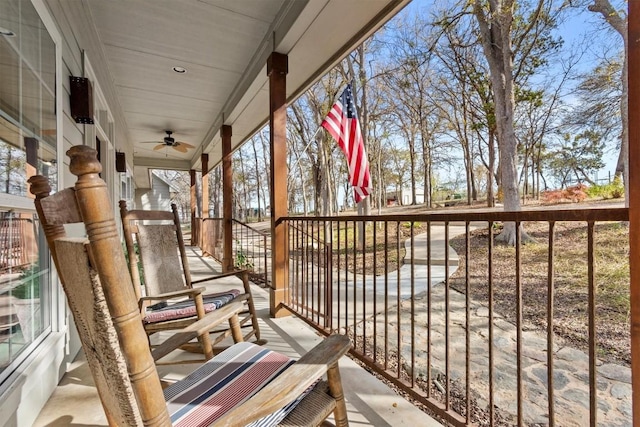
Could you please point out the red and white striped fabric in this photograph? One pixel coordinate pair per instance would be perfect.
(187, 308)
(342, 123)
(224, 382)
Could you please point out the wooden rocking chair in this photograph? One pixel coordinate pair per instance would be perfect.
(244, 384)
(165, 269)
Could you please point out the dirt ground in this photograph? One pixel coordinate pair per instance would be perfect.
(570, 290)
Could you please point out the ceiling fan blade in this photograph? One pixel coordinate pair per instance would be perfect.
(159, 147)
(180, 148)
(186, 144)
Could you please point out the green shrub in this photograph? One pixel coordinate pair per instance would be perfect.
(613, 190)
(137, 251)
(30, 286)
(617, 188)
(242, 260)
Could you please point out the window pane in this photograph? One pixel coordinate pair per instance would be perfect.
(24, 284)
(14, 170)
(27, 147)
(10, 81)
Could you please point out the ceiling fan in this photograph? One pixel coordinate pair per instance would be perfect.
(169, 141)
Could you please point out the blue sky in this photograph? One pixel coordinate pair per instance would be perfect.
(581, 27)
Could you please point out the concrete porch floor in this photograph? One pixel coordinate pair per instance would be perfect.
(369, 401)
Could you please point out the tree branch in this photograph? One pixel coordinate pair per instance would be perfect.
(610, 15)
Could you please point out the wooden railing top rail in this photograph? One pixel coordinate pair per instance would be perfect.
(590, 214)
(245, 225)
(255, 230)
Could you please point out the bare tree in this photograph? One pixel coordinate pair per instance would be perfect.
(266, 165)
(358, 58)
(505, 39)
(456, 95)
(215, 191)
(307, 114)
(258, 180)
(240, 176)
(539, 113)
(617, 19)
(410, 79)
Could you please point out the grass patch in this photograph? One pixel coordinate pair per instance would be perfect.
(371, 259)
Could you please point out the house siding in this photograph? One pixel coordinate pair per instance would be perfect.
(25, 391)
(158, 197)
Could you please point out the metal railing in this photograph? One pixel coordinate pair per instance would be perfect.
(464, 350)
(251, 248)
(18, 245)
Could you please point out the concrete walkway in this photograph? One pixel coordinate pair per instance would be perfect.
(571, 367)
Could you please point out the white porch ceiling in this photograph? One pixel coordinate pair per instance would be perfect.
(223, 45)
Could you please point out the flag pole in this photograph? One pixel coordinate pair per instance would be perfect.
(313, 137)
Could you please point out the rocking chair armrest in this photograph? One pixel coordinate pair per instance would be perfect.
(197, 328)
(174, 294)
(289, 385)
(219, 276)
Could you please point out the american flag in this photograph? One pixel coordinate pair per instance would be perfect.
(342, 124)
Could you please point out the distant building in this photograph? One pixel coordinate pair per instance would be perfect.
(404, 197)
(158, 197)
(255, 213)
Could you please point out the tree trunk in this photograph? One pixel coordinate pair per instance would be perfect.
(524, 178)
(244, 186)
(412, 156)
(495, 28)
(257, 166)
(430, 192)
(267, 168)
(474, 189)
(325, 207)
(7, 183)
(491, 197)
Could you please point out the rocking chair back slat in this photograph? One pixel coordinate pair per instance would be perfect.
(99, 341)
(160, 257)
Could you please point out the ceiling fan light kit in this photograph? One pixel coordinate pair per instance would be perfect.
(170, 141)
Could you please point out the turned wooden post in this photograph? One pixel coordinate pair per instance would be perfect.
(108, 259)
(40, 188)
(133, 257)
(335, 388)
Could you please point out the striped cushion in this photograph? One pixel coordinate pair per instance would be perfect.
(224, 382)
(187, 308)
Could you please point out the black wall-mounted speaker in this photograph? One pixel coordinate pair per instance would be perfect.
(31, 148)
(81, 100)
(121, 163)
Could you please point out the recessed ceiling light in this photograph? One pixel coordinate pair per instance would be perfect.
(180, 70)
(6, 33)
